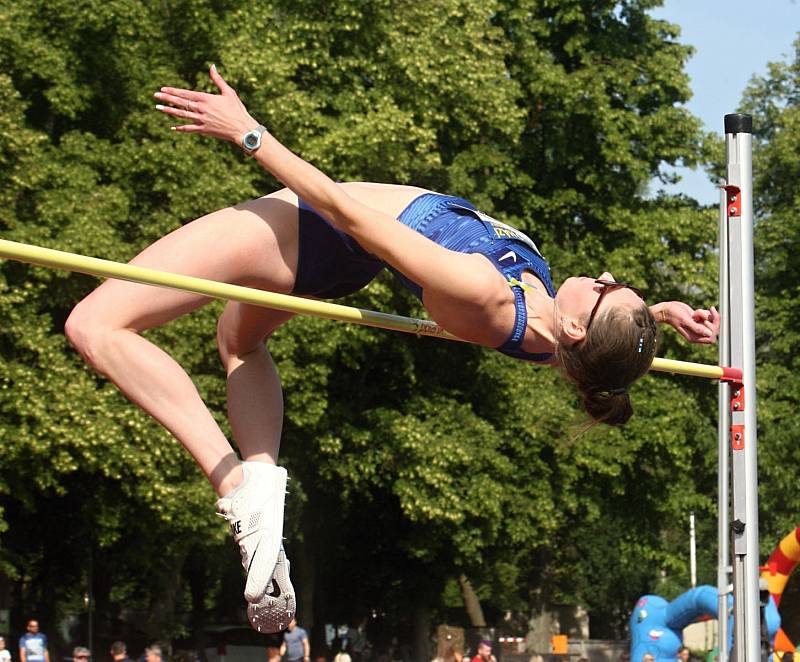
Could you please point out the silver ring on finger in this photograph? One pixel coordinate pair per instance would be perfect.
(190, 106)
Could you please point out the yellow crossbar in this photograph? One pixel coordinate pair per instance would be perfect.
(48, 257)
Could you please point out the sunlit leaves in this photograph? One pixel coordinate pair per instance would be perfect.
(552, 115)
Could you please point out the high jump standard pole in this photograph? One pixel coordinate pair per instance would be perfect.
(740, 323)
(723, 439)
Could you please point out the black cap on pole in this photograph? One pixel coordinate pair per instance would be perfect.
(738, 123)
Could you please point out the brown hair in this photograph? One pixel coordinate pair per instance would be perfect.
(119, 648)
(618, 349)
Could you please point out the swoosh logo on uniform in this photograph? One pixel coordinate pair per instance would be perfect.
(510, 254)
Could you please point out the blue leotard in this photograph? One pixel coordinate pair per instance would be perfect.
(331, 263)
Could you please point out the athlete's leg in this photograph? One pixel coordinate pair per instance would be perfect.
(254, 244)
(255, 507)
(255, 399)
(255, 402)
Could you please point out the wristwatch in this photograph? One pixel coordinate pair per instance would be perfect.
(251, 140)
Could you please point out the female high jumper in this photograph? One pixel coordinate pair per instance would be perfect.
(478, 278)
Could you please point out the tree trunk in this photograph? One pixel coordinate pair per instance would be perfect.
(471, 603)
(307, 567)
(421, 634)
(161, 615)
(198, 576)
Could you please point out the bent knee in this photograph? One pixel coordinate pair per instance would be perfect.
(231, 344)
(88, 333)
(243, 329)
(76, 328)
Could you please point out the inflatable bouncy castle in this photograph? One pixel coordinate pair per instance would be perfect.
(656, 625)
(776, 574)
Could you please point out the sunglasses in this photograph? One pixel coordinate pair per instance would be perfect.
(608, 286)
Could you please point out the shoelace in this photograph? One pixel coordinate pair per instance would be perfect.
(226, 516)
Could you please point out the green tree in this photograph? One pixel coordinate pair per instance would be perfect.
(416, 462)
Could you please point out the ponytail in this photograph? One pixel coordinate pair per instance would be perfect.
(618, 349)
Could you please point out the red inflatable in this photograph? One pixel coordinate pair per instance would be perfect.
(776, 572)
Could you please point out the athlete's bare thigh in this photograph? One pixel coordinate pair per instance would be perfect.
(252, 244)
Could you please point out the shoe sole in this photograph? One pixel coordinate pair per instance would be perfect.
(274, 611)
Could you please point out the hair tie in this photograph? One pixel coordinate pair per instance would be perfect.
(617, 391)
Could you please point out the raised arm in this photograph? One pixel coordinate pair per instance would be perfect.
(697, 326)
(224, 116)
(469, 280)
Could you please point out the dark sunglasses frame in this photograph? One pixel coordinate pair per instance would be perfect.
(609, 285)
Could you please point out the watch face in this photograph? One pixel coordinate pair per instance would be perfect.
(251, 140)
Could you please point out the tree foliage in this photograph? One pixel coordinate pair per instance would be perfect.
(415, 461)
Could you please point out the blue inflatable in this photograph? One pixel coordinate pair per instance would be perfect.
(656, 625)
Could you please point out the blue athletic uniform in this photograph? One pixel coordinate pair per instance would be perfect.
(332, 264)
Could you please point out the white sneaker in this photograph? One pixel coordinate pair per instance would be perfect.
(278, 606)
(254, 511)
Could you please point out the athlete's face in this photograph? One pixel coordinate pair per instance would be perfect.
(581, 297)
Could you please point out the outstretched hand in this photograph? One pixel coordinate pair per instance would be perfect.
(220, 115)
(697, 326)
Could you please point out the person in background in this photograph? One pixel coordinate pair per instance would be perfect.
(153, 654)
(648, 657)
(81, 654)
(295, 644)
(683, 654)
(119, 652)
(5, 654)
(273, 643)
(33, 644)
(484, 652)
(450, 654)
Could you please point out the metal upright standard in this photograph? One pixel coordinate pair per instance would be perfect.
(723, 440)
(738, 523)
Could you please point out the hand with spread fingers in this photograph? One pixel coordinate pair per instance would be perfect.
(220, 115)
